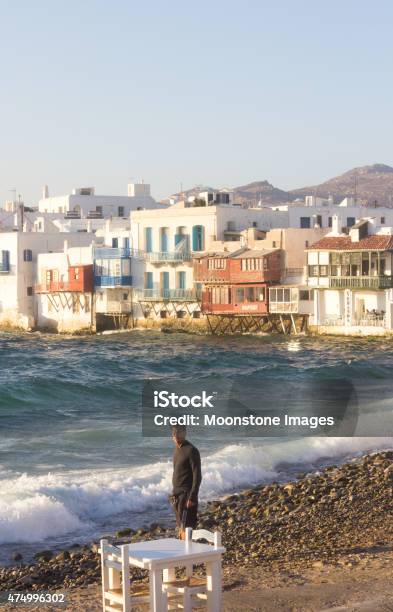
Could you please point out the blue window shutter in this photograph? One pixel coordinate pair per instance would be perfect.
(198, 238)
(165, 281)
(164, 241)
(182, 280)
(148, 239)
(5, 259)
(149, 280)
(114, 243)
(126, 242)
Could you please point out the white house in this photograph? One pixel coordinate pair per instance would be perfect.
(83, 202)
(64, 291)
(18, 269)
(352, 278)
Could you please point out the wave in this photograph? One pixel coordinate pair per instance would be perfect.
(34, 508)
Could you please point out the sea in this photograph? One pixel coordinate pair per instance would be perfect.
(74, 464)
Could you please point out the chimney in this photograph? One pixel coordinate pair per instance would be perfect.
(336, 229)
(65, 246)
(45, 192)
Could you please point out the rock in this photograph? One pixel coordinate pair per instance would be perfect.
(44, 555)
(64, 555)
(123, 533)
(17, 556)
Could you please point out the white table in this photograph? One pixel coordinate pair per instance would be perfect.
(165, 555)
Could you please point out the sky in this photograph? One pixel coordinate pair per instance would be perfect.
(98, 93)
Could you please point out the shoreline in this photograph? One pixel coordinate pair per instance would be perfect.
(336, 518)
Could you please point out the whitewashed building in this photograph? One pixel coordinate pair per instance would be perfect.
(352, 278)
(18, 271)
(84, 202)
(64, 291)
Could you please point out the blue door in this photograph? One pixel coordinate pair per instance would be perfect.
(164, 240)
(149, 280)
(181, 280)
(198, 238)
(165, 284)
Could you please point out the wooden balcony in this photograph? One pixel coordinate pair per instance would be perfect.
(361, 282)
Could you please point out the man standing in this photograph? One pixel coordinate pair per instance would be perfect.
(186, 480)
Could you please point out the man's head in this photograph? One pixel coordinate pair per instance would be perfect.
(179, 434)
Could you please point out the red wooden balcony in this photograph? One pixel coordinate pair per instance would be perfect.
(235, 299)
(80, 280)
(248, 266)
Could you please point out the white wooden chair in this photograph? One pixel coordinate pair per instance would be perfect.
(189, 592)
(115, 570)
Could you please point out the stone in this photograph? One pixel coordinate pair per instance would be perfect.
(123, 533)
(17, 556)
(44, 555)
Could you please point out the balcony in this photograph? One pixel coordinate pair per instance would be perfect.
(182, 295)
(112, 253)
(113, 281)
(159, 257)
(4, 267)
(361, 282)
(58, 286)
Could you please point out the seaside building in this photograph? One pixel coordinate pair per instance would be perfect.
(352, 279)
(165, 243)
(64, 293)
(235, 286)
(18, 271)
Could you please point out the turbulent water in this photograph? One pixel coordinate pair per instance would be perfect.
(73, 463)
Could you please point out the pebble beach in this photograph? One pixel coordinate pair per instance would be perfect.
(316, 529)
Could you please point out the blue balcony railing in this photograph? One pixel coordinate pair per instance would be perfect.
(154, 256)
(186, 295)
(112, 253)
(113, 281)
(168, 256)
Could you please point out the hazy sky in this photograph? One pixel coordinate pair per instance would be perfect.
(95, 92)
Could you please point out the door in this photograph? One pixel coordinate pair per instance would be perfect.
(165, 284)
(359, 309)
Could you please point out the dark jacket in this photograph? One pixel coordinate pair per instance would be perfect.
(187, 475)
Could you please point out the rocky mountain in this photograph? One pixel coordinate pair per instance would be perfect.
(368, 183)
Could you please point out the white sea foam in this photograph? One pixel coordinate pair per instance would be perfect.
(35, 508)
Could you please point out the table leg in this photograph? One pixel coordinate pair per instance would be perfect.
(213, 575)
(158, 599)
(169, 574)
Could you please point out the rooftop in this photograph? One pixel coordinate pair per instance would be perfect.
(376, 242)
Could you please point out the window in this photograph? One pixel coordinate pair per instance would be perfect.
(274, 244)
(99, 210)
(165, 281)
(115, 243)
(319, 220)
(330, 221)
(323, 270)
(382, 220)
(259, 294)
(239, 295)
(181, 280)
(29, 291)
(125, 296)
(306, 244)
(255, 223)
(120, 211)
(313, 270)
(216, 264)
(305, 296)
(5, 261)
(27, 255)
(305, 222)
(250, 294)
(164, 239)
(253, 263)
(126, 242)
(198, 238)
(148, 280)
(350, 221)
(148, 239)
